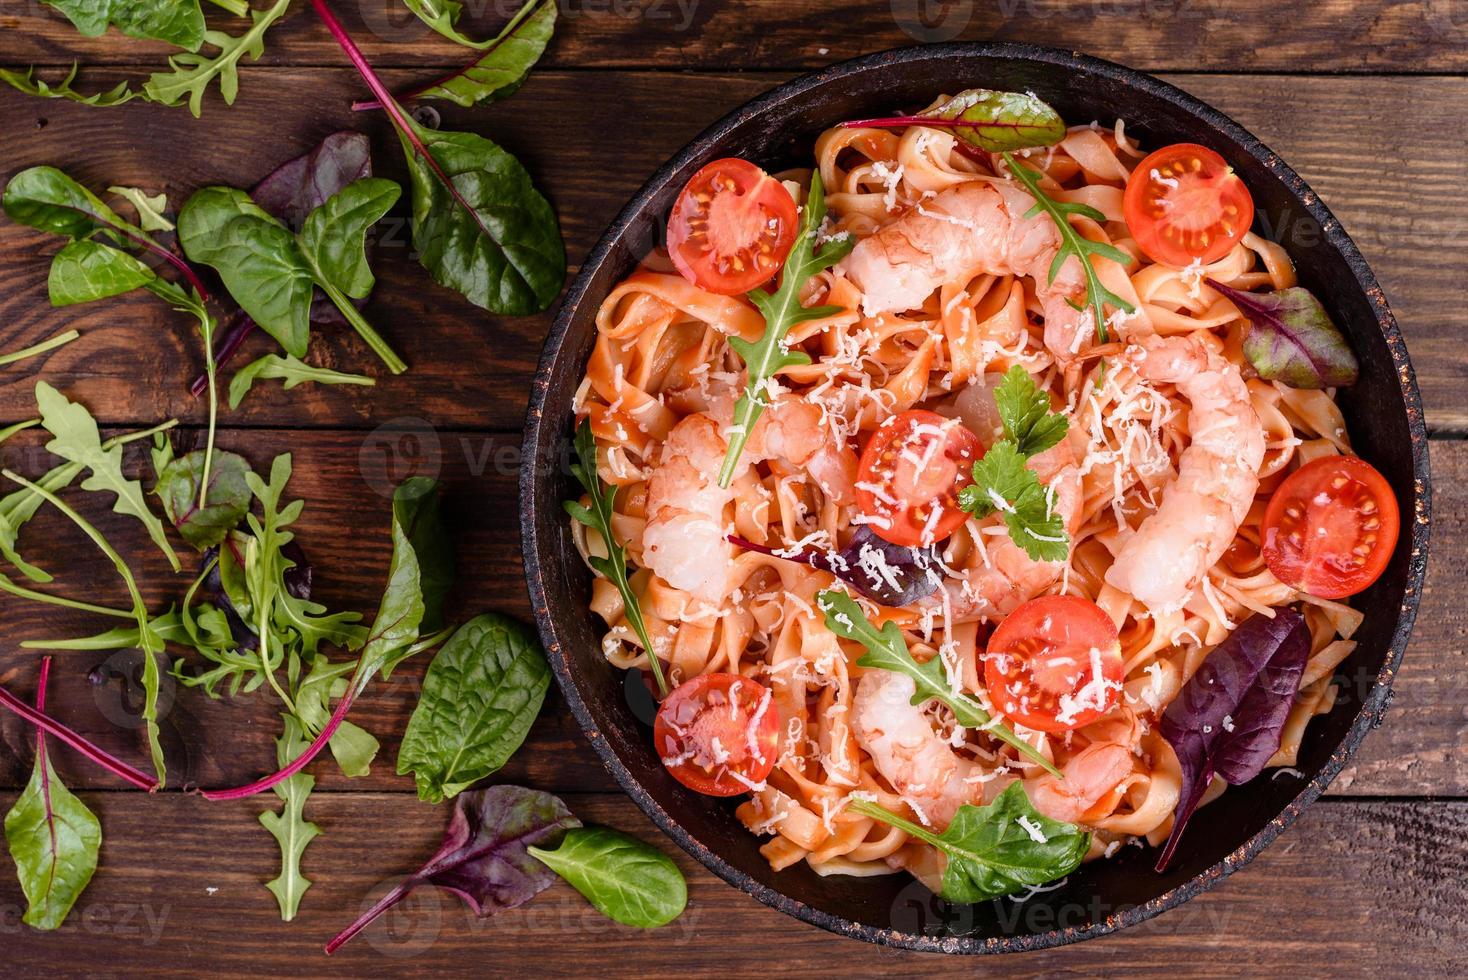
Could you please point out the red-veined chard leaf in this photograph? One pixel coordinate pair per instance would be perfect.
(991, 120)
(1229, 716)
(485, 858)
(226, 503)
(1292, 339)
(880, 570)
(53, 837)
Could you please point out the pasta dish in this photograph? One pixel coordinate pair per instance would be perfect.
(976, 496)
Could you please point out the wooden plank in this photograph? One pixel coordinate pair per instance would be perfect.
(1410, 226)
(213, 743)
(1325, 36)
(1365, 886)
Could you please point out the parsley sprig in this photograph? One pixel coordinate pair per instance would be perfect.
(782, 310)
(887, 650)
(598, 517)
(1002, 481)
(1074, 243)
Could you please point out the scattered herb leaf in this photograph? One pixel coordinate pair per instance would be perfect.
(228, 496)
(1291, 338)
(191, 74)
(627, 879)
(28, 83)
(290, 828)
(898, 576)
(178, 22)
(150, 209)
(290, 370)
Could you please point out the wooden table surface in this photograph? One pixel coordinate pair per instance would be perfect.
(1365, 98)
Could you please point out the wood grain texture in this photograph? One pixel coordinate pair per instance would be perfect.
(1419, 751)
(1157, 35)
(1370, 888)
(471, 370)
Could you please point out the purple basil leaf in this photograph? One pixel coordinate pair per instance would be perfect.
(484, 858)
(880, 570)
(301, 186)
(1229, 717)
(1292, 339)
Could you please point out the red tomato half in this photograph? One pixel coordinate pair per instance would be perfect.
(910, 475)
(1054, 664)
(718, 734)
(1331, 527)
(731, 227)
(1184, 202)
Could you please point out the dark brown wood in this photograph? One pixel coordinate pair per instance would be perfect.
(470, 369)
(344, 530)
(179, 893)
(1156, 35)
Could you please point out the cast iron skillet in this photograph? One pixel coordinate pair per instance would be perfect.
(1384, 413)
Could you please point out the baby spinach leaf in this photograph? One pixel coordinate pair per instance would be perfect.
(272, 273)
(485, 858)
(53, 837)
(88, 270)
(227, 500)
(191, 74)
(290, 828)
(887, 650)
(1291, 338)
(502, 69)
(47, 199)
(480, 695)
(627, 879)
(290, 370)
(443, 17)
(179, 22)
(998, 849)
(75, 438)
(29, 84)
(415, 506)
(1229, 717)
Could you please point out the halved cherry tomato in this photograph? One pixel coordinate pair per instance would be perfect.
(1330, 528)
(1184, 202)
(718, 734)
(731, 227)
(1054, 664)
(910, 475)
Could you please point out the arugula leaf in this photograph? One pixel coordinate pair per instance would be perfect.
(27, 82)
(292, 371)
(997, 849)
(273, 273)
(627, 879)
(151, 678)
(1073, 243)
(15, 357)
(75, 438)
(289, 827)
(228, 496)
(613, 567)
(782, 310)
(178, 22)
(191, 74)
(887, 650)
(485, 857)
(480, 695)
(150, 209)
(1024, 409)
(1004, 483)
(507, 59)
(53, 837)
(353, 747)
(20, 506)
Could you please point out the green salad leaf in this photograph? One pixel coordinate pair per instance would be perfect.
(150, 208)
(506, 61)
(190, 75)
(627, 879)
(480, 695)
(290, 828)
(887, 650)
(782, 310)
(995, 850)
(27, 82)
(178, 22)
(997, 121)
(291, 370)
(227, 496)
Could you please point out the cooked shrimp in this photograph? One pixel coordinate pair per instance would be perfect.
(1095, 777)
(974, 228)
(684, 542)
(1006, 575)
(1164, 561)
(914, 759)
